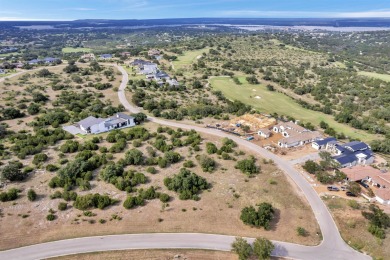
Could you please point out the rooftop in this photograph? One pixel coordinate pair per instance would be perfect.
(90, 121)
(301, 137)
(360, 172)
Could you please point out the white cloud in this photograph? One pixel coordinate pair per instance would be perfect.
(12, 18)
(82, 9)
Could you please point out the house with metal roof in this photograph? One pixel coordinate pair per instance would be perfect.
(352, 153)
(323, 143)
(93, 125)
(105, 56)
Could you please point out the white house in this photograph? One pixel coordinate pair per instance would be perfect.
(383, 196)
(288, 129)
(149, 68)
(323, 143)
(93, 125)
(299, 139)
(264, 132)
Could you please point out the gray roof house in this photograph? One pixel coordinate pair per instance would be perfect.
(93, 125)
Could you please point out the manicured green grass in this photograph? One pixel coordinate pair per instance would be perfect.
(9, 54)
(384, 77)
(72, 50)
(188, 58)
(340, 64)
(271, 101)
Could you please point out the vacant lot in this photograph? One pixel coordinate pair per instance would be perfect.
(384, 77)
(353, 228)
(72, 50)
(218, 211)
(271, 101)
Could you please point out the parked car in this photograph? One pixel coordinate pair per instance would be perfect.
(350, 194)
(365, 185)
(343, 188)
(333, 188)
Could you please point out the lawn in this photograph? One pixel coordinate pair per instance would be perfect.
(269, 102)
(188, 58)
(73, 50)
(384, 77)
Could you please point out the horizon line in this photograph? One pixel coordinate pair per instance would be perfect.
(135, 19)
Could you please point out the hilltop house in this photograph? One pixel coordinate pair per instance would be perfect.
(294, 135)
(323, 143)
(145, 67)
(352, 153)
(105, 56)
(378, 179)
(48, 60)
(264, 132)
(93, 125)
(88, 56)
(299, 139)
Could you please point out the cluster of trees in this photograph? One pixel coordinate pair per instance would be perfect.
(123, 180)
(379, 221)
(91, 201)
(260, 217)
(187, 184)
(13, 171)
(11, 194)
(262, 248)
(248, 166)
(79, 171)
(148, 194)
(320, 170)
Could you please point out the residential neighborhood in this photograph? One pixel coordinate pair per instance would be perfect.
(152, 72)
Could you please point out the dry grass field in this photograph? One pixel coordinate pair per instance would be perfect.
(154, 255)
(353, 228)
(218, 210)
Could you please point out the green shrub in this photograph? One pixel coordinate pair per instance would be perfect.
(151, 170)
(211, 148)
(52, 167)
(62, 206)
(248, 166)
(132, 202)
(40, 157)
(260, 218)
(93, 201)
(206, 163)
(188, 164)
(50, 217)
(11, 194)
(164, 197)
(31, 195)
(301, 231)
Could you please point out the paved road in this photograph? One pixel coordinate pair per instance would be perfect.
(301, 160)
(332, 247)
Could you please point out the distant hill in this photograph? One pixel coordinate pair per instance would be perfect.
(99, 23)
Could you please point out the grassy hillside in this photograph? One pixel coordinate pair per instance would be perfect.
(72, 50)
(384, 77)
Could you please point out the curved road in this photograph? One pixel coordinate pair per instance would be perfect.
(332, 246)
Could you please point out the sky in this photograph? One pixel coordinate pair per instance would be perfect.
(152, 9)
